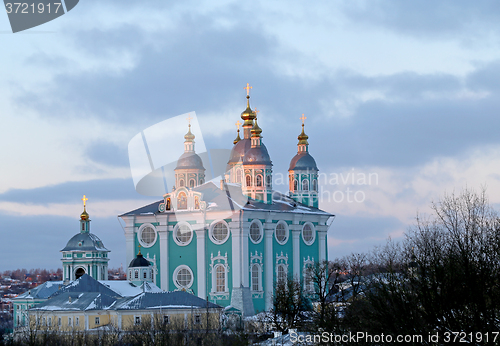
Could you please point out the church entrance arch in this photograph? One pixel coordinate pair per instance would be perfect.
(79, 272)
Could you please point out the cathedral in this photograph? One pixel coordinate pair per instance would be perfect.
(231, 241)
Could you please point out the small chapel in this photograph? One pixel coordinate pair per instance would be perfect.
(231, 241)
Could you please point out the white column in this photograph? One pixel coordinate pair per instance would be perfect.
(245, 271)
(200, 261)
(129, 238)
(296, 252)
(322, 245)
(268, 265)
(163, 260)
(236, 251)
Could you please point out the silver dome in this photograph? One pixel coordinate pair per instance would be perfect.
(303, 161)
(190, 160)
(85, 242)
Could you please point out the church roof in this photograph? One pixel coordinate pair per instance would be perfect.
(171, 300)
(85, 242)
(139, 261)
(190, 160)
(42, 291)
(231, 198)
(76, 301)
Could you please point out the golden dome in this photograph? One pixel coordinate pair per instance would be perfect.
(256, 130)
(189, 137)
(84, 216)
(248, 114)
(238, 138)
(303, 137)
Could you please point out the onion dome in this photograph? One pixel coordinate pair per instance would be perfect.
(84, 216)
(303, 137)
(248, 115)
(238, 138)
(256, 130)
(239, 150)
(189, 137)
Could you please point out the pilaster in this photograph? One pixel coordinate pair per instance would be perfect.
(200, 261)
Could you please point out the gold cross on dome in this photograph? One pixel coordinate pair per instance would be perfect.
(238, 124)
(248, 87)
(84, 199)
(303, 118)
(256, 111)
(189, 119)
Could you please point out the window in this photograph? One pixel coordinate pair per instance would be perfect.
(181, 200)
(315, 185)
(70, 321)
(220, 279)
(255, 232)
(97, 321)
(59, 321)
(220, 232)
(44, 321)
(201, 181)
(147, 235)
(295, 185)
(258, 180)
(145, 275)
(281, 273)
(192, 183)
(281, 233)
(50, 321)
(77, 321)
(305, 184)
(308, 234)
(136, 275)
(238, 176)
(137, 319)
(183, 234)
(248, 180)
(183, 277)
(197, 319)
(181, 183)
(269, 181)
(166, 319)
(255, 277)
(196, 202)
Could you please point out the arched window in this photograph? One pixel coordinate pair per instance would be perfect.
(182, 201)
(201, 181)
(305, 184)
(145, 274)
(315, 185)
(220, 280)
(295, 185)
(249, 180)
(196, 202)
(281, 273)
(181, 183)
(269, 181)
(192, 183)
(258, 180)
(238, 176)
(136, 274)
(255, 277)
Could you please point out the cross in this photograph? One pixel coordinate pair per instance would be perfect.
(189, 119)
(238, 124)
(256, 112)
(84, 199)
(248, 87)
(303, 118)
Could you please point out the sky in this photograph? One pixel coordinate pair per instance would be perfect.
(401, 99)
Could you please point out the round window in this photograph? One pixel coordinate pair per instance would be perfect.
(308, 234)
(183, 277)
(183, 234)
(281, 233)
(255, 233)
(147, 236)
(220, 232)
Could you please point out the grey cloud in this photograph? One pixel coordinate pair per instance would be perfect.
(108, 153)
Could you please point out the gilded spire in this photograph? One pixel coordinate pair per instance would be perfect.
(189, 137)
(303, 137)
(248, 115)
(139, 253)
(84, 216)
(237, 139)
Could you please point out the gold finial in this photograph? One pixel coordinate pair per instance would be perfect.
(189, 120)
(84, 216)
(256, 112)
(303, 118)
(84, 199)
(139, 254)
(189, 137)
(238, 138)
(248, 87)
